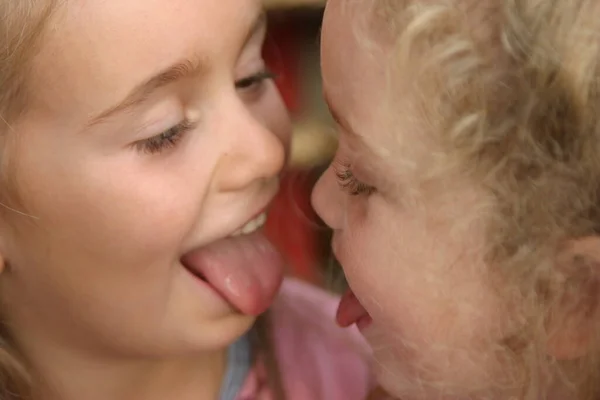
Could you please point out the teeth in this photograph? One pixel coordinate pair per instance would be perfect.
(252, 226)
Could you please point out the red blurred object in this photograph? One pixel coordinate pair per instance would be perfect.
(292, 226)
(282, 55)
(292, 222)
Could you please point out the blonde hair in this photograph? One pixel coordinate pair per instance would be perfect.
(22, 24)
(510, 91)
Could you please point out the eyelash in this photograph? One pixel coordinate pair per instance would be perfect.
(255, 80)
(166, 140)
(349, 183)
(171, 137)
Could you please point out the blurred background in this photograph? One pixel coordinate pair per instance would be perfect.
(292, 51)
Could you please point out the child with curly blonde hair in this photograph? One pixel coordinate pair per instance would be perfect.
(465, 193)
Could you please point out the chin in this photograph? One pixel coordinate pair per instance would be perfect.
(195, 338)
(216, 335)
(205, 339)
(390, 368)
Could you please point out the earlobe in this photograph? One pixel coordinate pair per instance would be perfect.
(575, 311)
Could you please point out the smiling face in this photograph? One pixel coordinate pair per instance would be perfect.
(433, 318)
(152, 135)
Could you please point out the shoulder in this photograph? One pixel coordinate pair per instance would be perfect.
(318, 359)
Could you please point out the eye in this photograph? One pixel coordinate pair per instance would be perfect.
(165, 140)
(255, 83)
(349, 183)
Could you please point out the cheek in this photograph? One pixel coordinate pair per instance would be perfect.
(120, 211)
(104, 237)
(139, 217)
(378, 271)
(368, 246)
(431, 309)
(403, 263)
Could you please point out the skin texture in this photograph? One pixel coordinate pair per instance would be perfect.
(93, 285)
(420, 275)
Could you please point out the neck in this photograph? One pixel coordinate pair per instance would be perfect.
(68, 377)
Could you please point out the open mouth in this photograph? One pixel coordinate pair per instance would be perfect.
(198, 275)
(244, 268)
(351, 311)
(250, 227)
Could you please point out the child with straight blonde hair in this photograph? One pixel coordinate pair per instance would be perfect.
(142, 142)
(465, 193)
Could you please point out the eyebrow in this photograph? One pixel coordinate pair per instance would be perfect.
(347, 128)
(180, 70)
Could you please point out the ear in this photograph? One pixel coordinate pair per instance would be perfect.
(575, 313)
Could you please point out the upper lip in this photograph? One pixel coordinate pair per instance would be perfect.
(265, 201)
(229, 233)
(264, 209)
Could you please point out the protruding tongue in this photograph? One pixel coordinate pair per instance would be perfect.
(350, 311)
(246, 270)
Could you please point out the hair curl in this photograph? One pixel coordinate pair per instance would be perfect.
(510, 92)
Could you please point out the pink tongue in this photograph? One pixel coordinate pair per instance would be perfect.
(246, 270)
(350, 310)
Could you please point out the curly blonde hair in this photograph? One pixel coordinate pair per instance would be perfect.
(510, 92)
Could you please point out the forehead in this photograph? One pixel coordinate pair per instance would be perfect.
(378, 97)
(346, 51)
(96, 50)
(357, 78)
(352, 66)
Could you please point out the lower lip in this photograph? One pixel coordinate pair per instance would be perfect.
(208, 288)
(364, 322)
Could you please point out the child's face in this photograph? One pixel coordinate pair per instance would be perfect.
(418, 273)
(117, 207)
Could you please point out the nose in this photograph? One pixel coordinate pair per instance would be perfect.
(255, 154)
(328, 200)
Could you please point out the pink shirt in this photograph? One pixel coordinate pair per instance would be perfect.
(318, 360)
